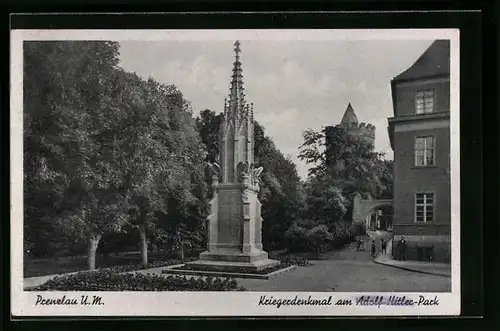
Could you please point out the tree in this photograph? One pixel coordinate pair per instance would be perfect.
(313, 152)
(344, 161)
(319, 237)
(207, 124)
(105, 149)
(281, 194)
(144, 153)
(386, 179)
(325, 201)
(162, 158)
(184, 189)
(69, 177)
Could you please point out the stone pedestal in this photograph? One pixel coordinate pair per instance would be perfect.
(235, 232)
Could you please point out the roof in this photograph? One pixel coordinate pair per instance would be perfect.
(435, 61)
(349, 115)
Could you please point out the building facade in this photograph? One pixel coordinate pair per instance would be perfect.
(420, 138)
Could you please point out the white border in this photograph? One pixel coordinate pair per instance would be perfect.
(227, 303)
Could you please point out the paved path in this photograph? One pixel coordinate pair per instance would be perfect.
(347, 270)
(36, 281)
(434, 268)
(350, 271)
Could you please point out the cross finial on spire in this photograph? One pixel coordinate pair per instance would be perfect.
(237, 48)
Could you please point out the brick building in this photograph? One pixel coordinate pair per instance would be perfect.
(420, 138)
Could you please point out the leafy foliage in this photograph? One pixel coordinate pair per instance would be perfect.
(325, 201)
(208, 124)
(110, 280)
(343, 165)
(281, 193)
(319, 238)
(104, 150)
(70, 182)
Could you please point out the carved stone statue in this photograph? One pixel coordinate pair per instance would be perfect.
(256, 177)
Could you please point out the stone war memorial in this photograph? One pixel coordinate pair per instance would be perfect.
(235, 223)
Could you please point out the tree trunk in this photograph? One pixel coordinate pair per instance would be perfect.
(92, 249)
(181, 248)
(144, 244)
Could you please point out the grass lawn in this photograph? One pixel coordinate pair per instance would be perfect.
(61, 265)
(43, 267)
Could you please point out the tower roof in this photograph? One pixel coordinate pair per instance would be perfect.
(349, 116)
(435, 61)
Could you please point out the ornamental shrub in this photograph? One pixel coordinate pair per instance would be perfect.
(109, 280)
(358, 229)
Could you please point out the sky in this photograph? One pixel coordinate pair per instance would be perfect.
(294, 84)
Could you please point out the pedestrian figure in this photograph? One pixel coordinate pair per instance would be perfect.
(384, 246)
(400, 249)
(403, 248)
(373, 248)
(358, 244)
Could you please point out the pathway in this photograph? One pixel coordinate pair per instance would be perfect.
(347, 270)
(35, 281)
(350, 271)
(434, 268)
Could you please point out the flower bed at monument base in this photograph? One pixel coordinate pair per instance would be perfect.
(286, 260)
(109, 280)
(135, 267)
(199, 271)
(242, 271)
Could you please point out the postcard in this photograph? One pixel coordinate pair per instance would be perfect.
(235, 172)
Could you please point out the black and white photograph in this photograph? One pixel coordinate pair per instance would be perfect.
(235, 172)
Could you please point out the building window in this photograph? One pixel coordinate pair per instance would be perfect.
(424, 207)
(424, 102)
(424, 151)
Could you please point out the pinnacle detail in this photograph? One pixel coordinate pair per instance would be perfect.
(236, 105)
(237, 128)
(237, 49)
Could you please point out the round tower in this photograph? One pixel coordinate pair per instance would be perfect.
(353, 127)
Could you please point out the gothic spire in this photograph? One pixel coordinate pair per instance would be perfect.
(237, 90)
(237, 128)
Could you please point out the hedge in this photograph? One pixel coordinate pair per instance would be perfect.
(321, 237)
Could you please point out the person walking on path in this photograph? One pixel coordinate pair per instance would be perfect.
(358, 244)
(403, 248)
(374, 249)
(384, 246)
